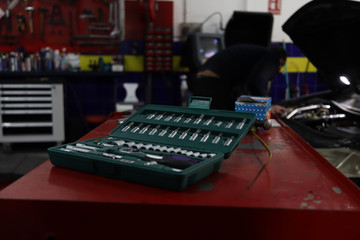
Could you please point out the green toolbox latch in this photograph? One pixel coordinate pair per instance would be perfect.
(200, 102)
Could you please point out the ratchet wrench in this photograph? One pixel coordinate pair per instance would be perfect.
(173, 161)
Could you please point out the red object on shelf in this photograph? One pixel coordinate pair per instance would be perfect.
(299, 195)
(95, 119)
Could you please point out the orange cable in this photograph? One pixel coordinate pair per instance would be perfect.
(253, 131)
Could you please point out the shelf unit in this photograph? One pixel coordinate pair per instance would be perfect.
(31, 112)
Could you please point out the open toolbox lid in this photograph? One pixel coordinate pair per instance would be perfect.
(186, 127)
(325, 31)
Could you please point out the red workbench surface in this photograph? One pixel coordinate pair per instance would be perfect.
(298, 196)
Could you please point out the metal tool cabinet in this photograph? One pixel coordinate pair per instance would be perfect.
(298, 196)
(31, 112)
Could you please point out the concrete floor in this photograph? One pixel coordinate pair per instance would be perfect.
(20, 159)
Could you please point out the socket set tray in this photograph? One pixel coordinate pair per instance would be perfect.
(162, 146)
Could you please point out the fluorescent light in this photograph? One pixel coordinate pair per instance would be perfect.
(344, 80)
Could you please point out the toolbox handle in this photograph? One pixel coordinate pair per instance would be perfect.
(200, 102)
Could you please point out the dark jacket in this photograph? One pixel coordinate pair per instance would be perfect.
(244, 68)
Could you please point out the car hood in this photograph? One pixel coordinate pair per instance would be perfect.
(327, 34)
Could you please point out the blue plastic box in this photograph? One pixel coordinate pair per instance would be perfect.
(254, 104)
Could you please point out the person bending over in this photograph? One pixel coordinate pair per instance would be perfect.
(240, 69)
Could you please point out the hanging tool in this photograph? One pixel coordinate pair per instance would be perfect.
(43, 12)
(8, 17)
(56, 15)
(122, 19)
(8, 20)
(87, 15)
(30, 10)
(96, 27)
(70, 29)
(152, 11)
(111, 13)
(20, 19)
(100, 15)
(1, 23)
(150, 7)
(7, 13)
(116, 30)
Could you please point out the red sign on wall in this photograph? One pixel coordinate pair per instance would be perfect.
(274, 6)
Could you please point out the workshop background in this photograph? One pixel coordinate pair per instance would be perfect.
(80, 36)
(67, 64)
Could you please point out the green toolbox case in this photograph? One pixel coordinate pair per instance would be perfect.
(168, 147)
